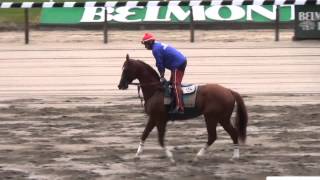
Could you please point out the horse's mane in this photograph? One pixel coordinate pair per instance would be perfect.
(149, 69)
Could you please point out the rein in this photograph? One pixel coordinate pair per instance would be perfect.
(139, 85)
(139, 89)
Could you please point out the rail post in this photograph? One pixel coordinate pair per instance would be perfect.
(105, 26)
(26, 26)
(277, 23)
(191, 25)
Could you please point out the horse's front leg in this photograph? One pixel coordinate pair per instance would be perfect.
(150, 125)
(161, 126)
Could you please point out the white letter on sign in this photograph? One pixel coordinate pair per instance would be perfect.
(262, 11)
(198, 13)
(152, 14)
(124, 13)
(236, 13)
(95, 14)
(177, 12)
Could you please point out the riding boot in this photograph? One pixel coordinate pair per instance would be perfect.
(176, 110)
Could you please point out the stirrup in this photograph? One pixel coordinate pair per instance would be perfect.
(176, 111)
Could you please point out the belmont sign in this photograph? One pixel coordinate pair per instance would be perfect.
(307, 22)
(174, 14)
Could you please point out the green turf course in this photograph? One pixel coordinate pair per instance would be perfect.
(16, 16)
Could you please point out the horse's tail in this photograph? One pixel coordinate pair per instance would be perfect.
(241, 117)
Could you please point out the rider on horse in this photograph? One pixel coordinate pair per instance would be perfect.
(168, 57)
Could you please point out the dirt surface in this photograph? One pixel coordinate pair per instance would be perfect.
(68, 140)
(134, 36)
(62, 116)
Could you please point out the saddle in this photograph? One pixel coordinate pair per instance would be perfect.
(189, 94)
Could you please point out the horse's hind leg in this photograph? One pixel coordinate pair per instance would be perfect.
(212, 134)
(161, 126)
(226, 124)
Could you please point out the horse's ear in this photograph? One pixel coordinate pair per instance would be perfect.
(127, 57)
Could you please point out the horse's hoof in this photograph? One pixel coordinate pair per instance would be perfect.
(173, 162)
(234, 158)
(197, 159)
(136, 158)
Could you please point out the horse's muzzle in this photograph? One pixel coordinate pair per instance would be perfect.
(123, 87)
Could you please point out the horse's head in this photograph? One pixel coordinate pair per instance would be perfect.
(129, 73)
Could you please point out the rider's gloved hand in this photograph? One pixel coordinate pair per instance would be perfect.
(162, 80)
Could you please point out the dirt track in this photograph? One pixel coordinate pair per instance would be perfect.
(63, 118)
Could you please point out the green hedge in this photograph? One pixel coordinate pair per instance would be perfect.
(9, 16)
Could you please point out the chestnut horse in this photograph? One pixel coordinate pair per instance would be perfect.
(215, 102)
